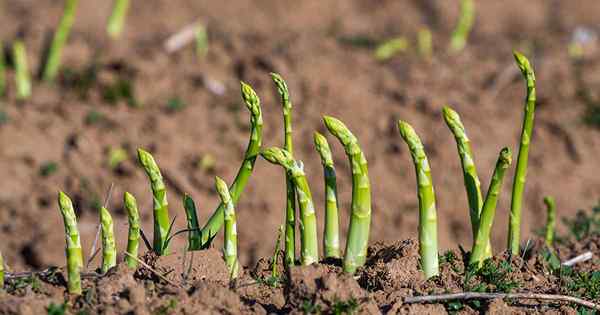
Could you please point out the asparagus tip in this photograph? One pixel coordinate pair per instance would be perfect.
(282, 89)
(221, 187)
(523, 63)
(277, 156)
(250, 98)
(506, 156)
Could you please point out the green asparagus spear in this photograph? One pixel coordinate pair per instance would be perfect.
(109, 247)
(230, 241)
(21, 70)
(424, 44)
(514, 228)
(73, 249)
(478, 253)
(194, 233)
(360, 221)
(252, 101)
(161, 206)
(331, 235)
(117, 18)
(290, 213)
(308, 222)
(428, 242)
(551, 220)
(201, 40)
(463, 28)
(1, 272)
(133, 238)
(52, 63)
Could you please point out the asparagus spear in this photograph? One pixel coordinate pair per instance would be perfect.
(21, 70)
(133, 238)
(360, 221)
(117, 18)
(161, 206)
(230, 247)
(427, 211)
(290, 212)
(478, 253)
(331, 239)
(514, 228)
(274, 271)
(109, 247)
(309, 252)
(1, 271)
(58, 42)
(73, 249)
(551, 220)
(194, 234)
(252, 102)
(463, 28)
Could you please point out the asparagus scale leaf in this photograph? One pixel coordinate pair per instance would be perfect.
(428, 242)
(360, 221)
(230, 241)
(73, 248)
(109, 247)
(133, 236)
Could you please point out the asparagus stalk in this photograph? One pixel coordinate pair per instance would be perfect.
(478, 253)
(551, 220)
(1, 271)
(73, 249)
(424, 43)
(58, 42)
(472, 183)
(201, 40)
(252, 102)
(109, 247)
(514, 228)
(309, 252)
(460, 35)
(194, 233)
(21, 70)
(274, 271)
(428, 247)
(290, 210)
(230, 242)
(117, 18)
(133, 238)
(331, 239)
(161, 206)
(360, 221)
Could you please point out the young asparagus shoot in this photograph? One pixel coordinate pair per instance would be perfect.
(252, 102)
(1, 271)
(117, 18)
(201, 40)
(472, 183)
(52, 63)
(424, 43)
(360, 220)
(22, 75)
(331, 235)
(551, 220)
(161, 206)
(133, 238)
(73, 249)
(193, 225)
(230, 241)
(109, 247)
(478, 253)
(460, 35)
(514, 227)
(290, 209)
(390, 48)
(309, 251)
(428, 242)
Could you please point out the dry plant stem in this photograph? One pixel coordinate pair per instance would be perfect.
(109, 247)
(490, 296)
(193, 225)
(482, 241)
(578, 259)
(52, 64)
(551, 220)
(161, 206)
(117, 18)
(183, 37)
(133, 237)
(331, 234)
(465, 23)
(514, 227)
(73, 248)
(158, 274)
(357, 240)
(428, 242)
(309, 249)
(21, 70)
(252, 102)
(230, 229)
(290, 210)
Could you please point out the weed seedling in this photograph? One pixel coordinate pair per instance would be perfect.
(48, 168)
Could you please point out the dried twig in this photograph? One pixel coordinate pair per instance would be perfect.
(489, 296)
(153, 270)
(581, 258)
(46, 272)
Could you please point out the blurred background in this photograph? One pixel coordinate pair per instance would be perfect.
(367, 63)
